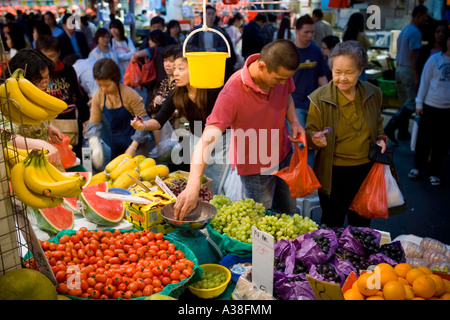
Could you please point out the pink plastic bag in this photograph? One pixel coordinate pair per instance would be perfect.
(68, 157)
(133, 75)
(299, 176)
(371, 201)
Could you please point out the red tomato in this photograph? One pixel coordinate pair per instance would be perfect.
(165, 281)
(65, 238)
(133, 287)
(75, 292)
(156, 283)
(128, 295)
(110, 290)
(60, 276)
(62, 288)
(159, 236)
(175, 275)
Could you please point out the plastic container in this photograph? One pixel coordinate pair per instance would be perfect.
(230, 260)
(388, 88)
(206, 69)
(120, 191)
(213, 292)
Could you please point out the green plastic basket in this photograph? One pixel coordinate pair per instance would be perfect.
(387, 87)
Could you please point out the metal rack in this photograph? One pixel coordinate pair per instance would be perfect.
(15, 228)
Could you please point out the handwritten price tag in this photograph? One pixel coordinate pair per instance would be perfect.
(324, 290)
(262, 260)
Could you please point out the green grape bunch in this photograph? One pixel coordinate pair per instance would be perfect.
(236, 218)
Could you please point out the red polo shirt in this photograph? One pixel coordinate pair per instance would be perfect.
(259, 135)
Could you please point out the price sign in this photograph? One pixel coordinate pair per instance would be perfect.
(262, 260)
(324, 290)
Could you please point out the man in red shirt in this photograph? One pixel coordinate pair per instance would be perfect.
(255, 103)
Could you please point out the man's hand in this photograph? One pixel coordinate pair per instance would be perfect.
(382, 144)
(55, 135)
(419, 112)
(186, 202)
(297, 132)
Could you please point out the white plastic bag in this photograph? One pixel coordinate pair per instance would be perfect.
(415, 130)
(233, 187)
(393, 193)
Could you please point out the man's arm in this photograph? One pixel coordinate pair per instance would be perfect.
(413, 62)
(291, 116)
(187, 200)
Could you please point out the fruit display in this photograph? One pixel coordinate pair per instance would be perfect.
(28, 104)
(26, 284)
(399, 282)
(235, 219)
(330, 256)
(115, 264)
(38, 184)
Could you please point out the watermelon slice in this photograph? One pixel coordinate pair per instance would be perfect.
(55, 219)
(71, 204)
(98, 210)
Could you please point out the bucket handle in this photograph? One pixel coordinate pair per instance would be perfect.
(205, 28)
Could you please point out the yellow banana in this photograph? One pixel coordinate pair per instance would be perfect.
(55, 174)
(28, 197)
(114, 163)
(25, 106)
(39, 97)
(39, 181)
(12, 156)
(10, 109)
(22, 152)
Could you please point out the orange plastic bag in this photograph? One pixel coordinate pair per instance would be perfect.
(68, 157)
(299, 176)
(133, 75)
(371, 200)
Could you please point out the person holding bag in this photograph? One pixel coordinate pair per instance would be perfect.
(119, 104)
(352, 109)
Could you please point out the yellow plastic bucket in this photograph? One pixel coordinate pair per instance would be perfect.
(206, 69)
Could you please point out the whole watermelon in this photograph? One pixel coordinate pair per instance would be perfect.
(26, 284)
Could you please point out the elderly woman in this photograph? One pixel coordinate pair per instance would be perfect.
(352, 109)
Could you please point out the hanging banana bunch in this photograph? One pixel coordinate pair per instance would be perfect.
(28, 104)
(38, 184)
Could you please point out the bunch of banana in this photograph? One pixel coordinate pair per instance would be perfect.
(27, 103)
(38, 184)
(14, 155)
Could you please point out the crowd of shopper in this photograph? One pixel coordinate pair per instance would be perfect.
(294, 78)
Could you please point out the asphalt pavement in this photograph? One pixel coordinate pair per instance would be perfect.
(428, 207)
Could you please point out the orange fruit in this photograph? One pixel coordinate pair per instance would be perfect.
(447, 285)
(401, 269)
(424, 286)
(380, 293)
(367, 286)
(412, 274)
(375, 297)
(417, 298)
(425, 270)
(385, 266)
(355, 285)
(394, 290)
(353, 294)
(386, 276)
(409, 292)
(402, 280)
(440, 285)
(445, 296)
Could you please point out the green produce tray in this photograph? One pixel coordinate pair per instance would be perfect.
(388, 88)
(174, 289)
(229, 245)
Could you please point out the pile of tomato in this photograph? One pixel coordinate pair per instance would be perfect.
(111, 265)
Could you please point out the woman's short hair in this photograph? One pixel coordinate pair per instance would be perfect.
(100, 33)
(351, 48)
(171, 51)
(280, 53)
(107, 69)
(331, 41)
(33, 62)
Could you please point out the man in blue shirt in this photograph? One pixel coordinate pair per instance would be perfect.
(311, 72)
(409, 43)
(72, 40)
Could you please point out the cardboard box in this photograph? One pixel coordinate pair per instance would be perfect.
(146, 216)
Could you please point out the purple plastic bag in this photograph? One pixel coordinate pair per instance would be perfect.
(295, 290)
(310, 253)
(344, 266)
(349, 242)
(285, 251)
